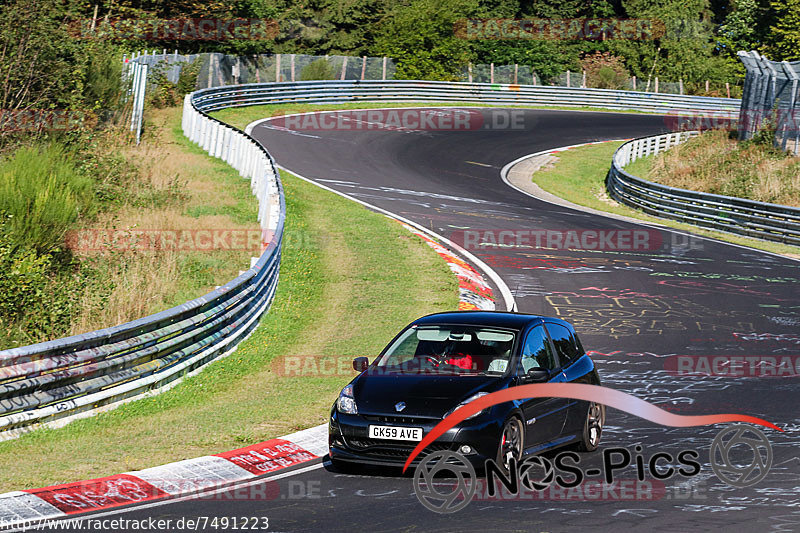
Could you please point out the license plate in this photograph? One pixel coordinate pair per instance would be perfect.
(395, 433)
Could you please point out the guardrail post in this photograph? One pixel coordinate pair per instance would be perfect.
(212, 146)
(220, 139)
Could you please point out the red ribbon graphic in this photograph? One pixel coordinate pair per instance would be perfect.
(577, 391)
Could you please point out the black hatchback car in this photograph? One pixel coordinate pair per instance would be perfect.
(445, 360)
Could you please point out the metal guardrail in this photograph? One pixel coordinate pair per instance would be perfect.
(56, 381)
(332, 92)
(734, 215)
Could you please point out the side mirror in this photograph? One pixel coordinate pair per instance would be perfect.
(360, 364)
(537, 375)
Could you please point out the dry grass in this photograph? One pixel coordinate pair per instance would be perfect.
(715, 163)
(198, 198)
(140, 283)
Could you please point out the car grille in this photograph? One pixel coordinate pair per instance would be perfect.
(381, 448)
(387, 419)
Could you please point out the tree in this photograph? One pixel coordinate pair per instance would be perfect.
(784, 35)
(420, 37)
(686, 50)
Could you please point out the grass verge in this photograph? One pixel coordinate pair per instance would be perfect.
(715, 163)
(52, 285)
(210, 196)
(346, 288)
(579, 177)
(242, 116)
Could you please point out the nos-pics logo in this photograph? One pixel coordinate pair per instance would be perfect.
(446, 482)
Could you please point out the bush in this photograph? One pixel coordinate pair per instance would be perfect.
(42, 193)
(319, 69)
(38, 292)
(168, 94)
(604, 71)
(23, 275)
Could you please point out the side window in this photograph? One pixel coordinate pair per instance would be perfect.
(566, 346)
(536, 352)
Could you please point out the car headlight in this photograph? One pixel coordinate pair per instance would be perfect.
(465, 402)
(346, 402)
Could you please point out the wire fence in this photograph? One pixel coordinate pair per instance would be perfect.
(217, 70)
(770, 100)
(525, 75)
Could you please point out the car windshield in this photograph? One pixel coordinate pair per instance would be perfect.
(462, 350)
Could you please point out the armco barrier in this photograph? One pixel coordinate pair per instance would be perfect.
(56, 381)
(331, 92)
(735, 215)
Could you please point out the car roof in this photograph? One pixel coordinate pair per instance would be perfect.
(501, 319)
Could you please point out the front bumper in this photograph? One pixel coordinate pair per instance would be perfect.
(348, 439)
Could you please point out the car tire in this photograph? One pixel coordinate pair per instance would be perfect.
(592, 427)
(512, 441)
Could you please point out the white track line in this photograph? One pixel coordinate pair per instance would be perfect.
(511, 304)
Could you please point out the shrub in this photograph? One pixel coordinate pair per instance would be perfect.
(604, 71)
(42, 193)
(167, 94)
(318, 69)
(38, 292)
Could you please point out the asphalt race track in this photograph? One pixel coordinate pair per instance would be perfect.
(636, 309)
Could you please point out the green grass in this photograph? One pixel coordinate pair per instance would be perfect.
(43, 191)
(242, 116)
(579, 176)
(240, 206)
(346, 287)
(640, 167)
